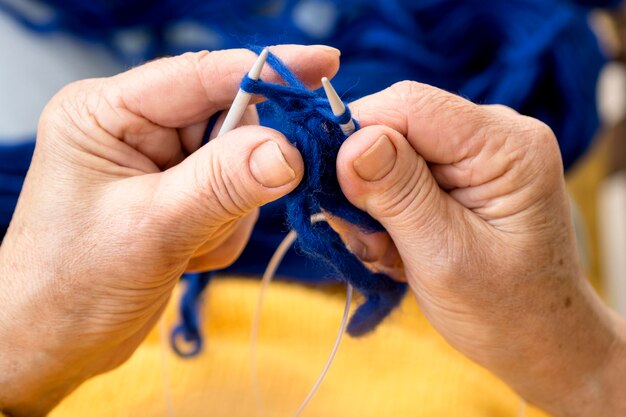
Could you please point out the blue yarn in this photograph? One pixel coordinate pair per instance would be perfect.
(209, 128)
(309, 124)
(189, 329)
(344, 118)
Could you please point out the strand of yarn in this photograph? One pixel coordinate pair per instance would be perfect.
(186, 337)
(310, 125)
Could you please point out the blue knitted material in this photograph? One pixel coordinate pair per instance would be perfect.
(309, 124)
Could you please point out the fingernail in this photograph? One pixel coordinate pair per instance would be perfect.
(377, 161)
(328, 49)
(269, 166)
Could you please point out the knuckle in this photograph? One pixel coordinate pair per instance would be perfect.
(535, 129)
(539, 136)
(543, 132)
(546, 147)
(416, 92)
(412, 95)
(60, 106)
(216, 66)
(196, 57)
(200, 61)
(428, 101)
(408, 88)
(501, 109)
(71, 110)
(529, 152)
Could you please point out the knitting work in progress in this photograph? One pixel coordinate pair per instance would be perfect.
(309, 124)
(539, 57)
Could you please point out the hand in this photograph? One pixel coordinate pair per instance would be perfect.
(478, 221)
(119, 202)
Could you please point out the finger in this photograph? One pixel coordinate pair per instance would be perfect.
(191, 137)
(380, 172)
(149, 107)
(187, 89)
(228, 251)
(158, 148)
(376, 250)
(462, 141)
(223, 181)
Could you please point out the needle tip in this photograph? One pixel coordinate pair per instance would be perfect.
(255, 72)
(336, 104)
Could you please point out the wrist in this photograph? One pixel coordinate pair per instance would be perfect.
(36, 367)
(601, 391)
(578, 370)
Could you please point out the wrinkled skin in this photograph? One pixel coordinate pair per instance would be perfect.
(474, 203)
(116, 207)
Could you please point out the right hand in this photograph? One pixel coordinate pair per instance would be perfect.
(478, 221)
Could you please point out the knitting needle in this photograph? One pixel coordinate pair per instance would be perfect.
(242, 99)
(337, 106)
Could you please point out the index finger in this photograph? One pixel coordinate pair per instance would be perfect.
(465, 144)
(183, 90)
(442, 127)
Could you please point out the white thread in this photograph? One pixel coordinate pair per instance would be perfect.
(278, 256)
(268, 275)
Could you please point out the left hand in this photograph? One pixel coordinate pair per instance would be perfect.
(119, 201)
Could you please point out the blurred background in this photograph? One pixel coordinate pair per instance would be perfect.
(562, 61)
(596, 182)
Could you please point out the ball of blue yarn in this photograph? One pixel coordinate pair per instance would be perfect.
(309, 124)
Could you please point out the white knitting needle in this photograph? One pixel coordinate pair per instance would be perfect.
(337, 106)
(242, 99)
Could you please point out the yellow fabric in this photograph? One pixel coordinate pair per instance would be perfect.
(404, 369)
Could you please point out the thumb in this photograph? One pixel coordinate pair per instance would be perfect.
(381, 173)
(226, 179)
